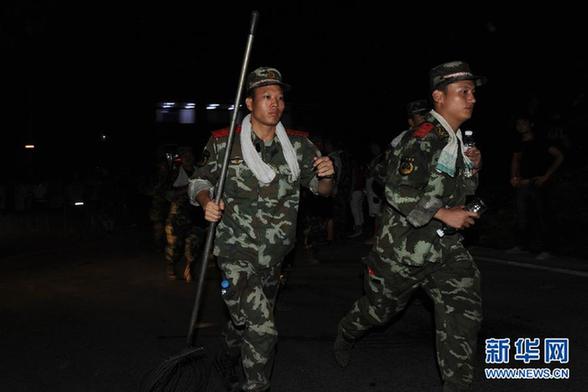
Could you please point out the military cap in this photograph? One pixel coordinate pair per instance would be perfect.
(420, 106)
(265, 76)
(451, 72)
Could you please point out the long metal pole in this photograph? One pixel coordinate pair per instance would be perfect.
(221, 183)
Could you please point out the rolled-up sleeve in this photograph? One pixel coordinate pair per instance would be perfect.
(196, 186)
(206, 175)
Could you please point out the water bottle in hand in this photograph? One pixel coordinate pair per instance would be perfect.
(475, 205)
(468, 139)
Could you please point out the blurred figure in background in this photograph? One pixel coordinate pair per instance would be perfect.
(182, 233)
(416, 112)
(533, 167)
(358, 181)
(374, 188)
(378, 167)
(160, 204)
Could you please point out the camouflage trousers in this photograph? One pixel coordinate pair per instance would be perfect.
(158, 215)
(454, 287)
(183, 239)
(251, 332)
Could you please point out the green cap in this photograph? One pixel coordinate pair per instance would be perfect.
(451, 72)
(265, 76)
(420, 106)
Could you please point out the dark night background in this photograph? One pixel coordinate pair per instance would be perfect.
(74, 72)
(86, 304)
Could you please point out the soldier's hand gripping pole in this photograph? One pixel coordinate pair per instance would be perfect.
(221, 183)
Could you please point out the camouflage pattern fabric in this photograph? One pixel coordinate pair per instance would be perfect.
(378, 170)
(408, 254)
(453, 286)
(251, 333)
(160, 205)
(158, 225)
(256, 232)
(415, 191)
(259, 221)
(184, 237)
(451, 72)
(264, 76)
(377, 167)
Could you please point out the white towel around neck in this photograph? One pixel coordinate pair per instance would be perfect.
(264, 172)
(448, 157)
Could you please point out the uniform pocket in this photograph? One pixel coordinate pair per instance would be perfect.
(231, 292)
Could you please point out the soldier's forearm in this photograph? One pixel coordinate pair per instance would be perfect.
(203, 197)
(325, 186)
(197, 186)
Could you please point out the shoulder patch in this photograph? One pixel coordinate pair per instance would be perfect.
(406, 166)
(224, 132)
(441, 132)
(423, 130)
(293, 132)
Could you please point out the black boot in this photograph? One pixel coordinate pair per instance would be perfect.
(226, 366)
(342, 349)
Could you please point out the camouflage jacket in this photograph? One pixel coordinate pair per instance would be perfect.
(415, 191)
(159, 202)
(259, 221)
(378, 167)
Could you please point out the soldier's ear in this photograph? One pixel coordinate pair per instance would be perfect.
(438, 96)
(249, 103)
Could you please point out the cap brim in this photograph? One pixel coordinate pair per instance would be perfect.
(477, 79)
(420, 111)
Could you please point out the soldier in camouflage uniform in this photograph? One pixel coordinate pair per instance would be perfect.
(428, 178)
(159, 209)
(183, 235)
(416, 114)
(267, 166)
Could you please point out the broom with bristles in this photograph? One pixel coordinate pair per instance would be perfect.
(190, 370)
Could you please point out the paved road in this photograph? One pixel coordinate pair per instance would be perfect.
(95, 317)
